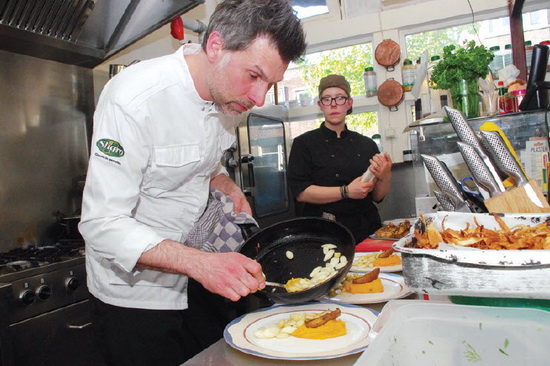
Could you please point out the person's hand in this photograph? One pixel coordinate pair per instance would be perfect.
(358, 190)
(240, 203)
(380, 166)
(231, 275)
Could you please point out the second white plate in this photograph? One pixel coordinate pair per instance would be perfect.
(353, 268)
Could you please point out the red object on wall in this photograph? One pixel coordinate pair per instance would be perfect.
(176, 29)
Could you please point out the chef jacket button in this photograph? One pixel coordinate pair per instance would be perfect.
(332, 156)
(326, 140)
(337, 175)
(358, 154)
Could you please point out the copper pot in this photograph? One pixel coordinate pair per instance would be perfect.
(387, 54)
(391, 94)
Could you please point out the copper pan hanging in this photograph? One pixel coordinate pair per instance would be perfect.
(387, 54)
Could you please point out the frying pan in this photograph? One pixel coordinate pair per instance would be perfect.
(303, 237)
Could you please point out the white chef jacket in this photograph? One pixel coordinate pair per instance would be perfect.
(155, 147)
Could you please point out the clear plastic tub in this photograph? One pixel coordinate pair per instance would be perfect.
(426, 333)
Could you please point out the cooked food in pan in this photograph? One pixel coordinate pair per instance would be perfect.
(516, 237)
(334, 261)
(306, 325)
(392, 231)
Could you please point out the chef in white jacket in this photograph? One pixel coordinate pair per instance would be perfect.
(160, 129)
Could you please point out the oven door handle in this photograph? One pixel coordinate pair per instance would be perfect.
(79, 326)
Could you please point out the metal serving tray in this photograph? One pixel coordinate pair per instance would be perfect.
(454, 270)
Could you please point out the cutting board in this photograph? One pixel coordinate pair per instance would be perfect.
(519, 200)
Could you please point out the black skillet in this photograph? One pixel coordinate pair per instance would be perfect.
(303, 237)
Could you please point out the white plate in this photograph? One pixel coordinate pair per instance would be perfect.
(385, 269)
(394, 288)
(239, 334)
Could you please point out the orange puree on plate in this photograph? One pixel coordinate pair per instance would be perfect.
(392, 260)
(331, 329)
(365, 288)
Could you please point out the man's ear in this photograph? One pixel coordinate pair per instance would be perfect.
(214, 46)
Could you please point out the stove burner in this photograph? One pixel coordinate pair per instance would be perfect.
(36, 256)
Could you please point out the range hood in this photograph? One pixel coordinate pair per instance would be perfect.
(82, 32)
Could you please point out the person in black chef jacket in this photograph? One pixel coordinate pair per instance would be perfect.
(326, 165)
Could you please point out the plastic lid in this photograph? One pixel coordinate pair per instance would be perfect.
(494, 48)
(435, 58)
(376, 136)
(508, 47)
(370, 68)
(545, 42)
(517, 92)
(501, 83)
(420, 60)
(528, 43)
(407, 62)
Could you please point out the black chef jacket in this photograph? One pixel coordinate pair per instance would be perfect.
(318, 157)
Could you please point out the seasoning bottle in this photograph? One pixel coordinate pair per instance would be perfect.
(528, 55)
(369, 77)
(501, 97)
(408, 75)
(517, 97)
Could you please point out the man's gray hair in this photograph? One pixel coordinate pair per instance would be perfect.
(240, 22)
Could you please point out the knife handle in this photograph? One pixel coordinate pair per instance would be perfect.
(503, 157)
(444, 180)
(480, 172)
(445, 202)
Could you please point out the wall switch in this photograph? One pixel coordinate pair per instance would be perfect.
(389, 133)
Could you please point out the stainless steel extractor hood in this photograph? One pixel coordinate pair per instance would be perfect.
(82, 32)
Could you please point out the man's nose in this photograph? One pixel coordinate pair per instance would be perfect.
(257, 94)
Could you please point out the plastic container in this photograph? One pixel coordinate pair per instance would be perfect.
(371, 86)
(409, 75)
(431, 333)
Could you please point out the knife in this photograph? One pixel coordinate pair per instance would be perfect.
(446, 183)
(496, 147)
(445, 202)
(466, 134)
(480, 171)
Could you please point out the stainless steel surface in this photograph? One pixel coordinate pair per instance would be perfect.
(480, 172)
(466, 134)
(45, 124)
(496, 147)
(82, 32)
(446, 182)
(445, 202)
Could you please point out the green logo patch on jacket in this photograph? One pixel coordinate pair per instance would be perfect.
(110, 148)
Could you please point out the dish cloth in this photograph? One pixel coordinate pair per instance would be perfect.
(217, 230)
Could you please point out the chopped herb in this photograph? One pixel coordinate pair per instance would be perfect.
(506, 343)
(502, 351)
(470, 353)
(480, 326)
(430, 342)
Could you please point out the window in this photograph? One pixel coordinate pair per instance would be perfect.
(309, 8)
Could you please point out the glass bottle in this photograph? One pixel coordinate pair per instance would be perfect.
(435, 94)
(408, 75)
(508, 55)
(502, 90)
(369, 78)
(497, 63)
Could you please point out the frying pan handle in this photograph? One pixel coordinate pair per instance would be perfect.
(247, 230)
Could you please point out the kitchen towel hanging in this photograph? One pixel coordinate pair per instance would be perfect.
(219, 228)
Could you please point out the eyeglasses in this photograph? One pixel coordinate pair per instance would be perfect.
(338, 100)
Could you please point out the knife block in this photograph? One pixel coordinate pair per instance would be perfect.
(519, 200)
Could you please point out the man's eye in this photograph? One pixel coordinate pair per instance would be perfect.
(339, 99)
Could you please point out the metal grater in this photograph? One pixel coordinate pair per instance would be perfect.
(445, 202)
(496, 147)
(444, 180)
(466, 134)
(480, 172)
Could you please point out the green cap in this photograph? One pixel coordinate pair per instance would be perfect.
(407, 62)
(508, 47)
(434, 58)
(337, 81)
(494, 48)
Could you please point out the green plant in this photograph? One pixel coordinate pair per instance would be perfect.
(468, 62)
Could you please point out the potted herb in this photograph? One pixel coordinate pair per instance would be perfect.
(459, 70)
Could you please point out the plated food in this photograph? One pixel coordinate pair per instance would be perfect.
(239, 334)
(387, 261)
(393, 287)
(479, 236)
(393, 231)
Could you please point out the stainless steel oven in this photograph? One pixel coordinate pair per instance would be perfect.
(46, 301)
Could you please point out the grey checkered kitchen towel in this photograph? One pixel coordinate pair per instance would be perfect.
(217, 230)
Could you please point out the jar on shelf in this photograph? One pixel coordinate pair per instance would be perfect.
(369, 78)
(508, 60)
(497, 63)
(409, 75)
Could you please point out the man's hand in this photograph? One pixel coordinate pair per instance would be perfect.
(358, 190)
(380, 166)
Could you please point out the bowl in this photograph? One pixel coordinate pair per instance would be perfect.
(303, 237)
